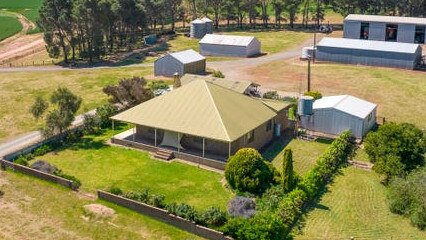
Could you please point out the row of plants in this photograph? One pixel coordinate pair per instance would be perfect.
(211, 217)
(281, 205)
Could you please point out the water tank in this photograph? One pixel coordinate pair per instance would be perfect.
(209, 25)
(277, 129)
(198, 29)
(305, 106)
(307, 52)
(150, 39)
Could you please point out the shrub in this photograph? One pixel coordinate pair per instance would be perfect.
(242, 207)
(91, 123)
(157, 201)
(155, 85)
(21, 160)
(288, 173)
(247, 172)
(213, 217)
(43, 149)
(76, 183)
(104, 112)
(270, 199)
(142, 196)
(218, 74)
(271, 95)
(116, 191)
(315, 94)
(183, 210)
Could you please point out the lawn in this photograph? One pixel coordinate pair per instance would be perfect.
(356, 206)
(400, 94)
(100, 166)
(35, 209)
(9, 26)
(18, 90)
(28, 8)
(305, 154)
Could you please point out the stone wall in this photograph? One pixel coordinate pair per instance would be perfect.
(163, 216)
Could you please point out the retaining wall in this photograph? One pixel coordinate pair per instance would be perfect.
(38, 174)
(163, 216)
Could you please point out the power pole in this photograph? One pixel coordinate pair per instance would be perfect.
(309, 74)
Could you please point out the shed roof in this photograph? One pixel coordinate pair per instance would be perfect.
(202, 109)
(230, 40)
(187, 56)
(369, 45)
(237, 86)
(206, 19)
(385, 19)
(346, 103)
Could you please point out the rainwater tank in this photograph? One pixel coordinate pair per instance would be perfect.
(305, 106)
(198, 29)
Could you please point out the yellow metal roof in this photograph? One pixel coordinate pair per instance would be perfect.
(202, 109)
(237, 86)
(275, 105)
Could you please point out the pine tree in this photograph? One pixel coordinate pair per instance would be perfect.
(288, 173)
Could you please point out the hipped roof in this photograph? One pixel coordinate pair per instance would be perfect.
(237, 86)
(201, 109)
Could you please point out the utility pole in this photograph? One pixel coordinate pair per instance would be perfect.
(309, 74)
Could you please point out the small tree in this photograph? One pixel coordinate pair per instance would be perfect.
(247, 172)
(288, 173)
(218, 74)
(315, 94)
(104, 112)
(39, 107)
(129, 92)
(396, 149)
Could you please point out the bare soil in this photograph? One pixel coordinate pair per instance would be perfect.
(99, 210)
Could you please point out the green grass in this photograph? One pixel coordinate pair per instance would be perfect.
(9, 26)
(400, 94)
(28, 8)
(356, 205)
(100, 166)
(36, 209)
(18, 90)
(305, 154)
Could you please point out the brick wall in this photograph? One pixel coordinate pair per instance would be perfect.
(163, 216)
(35, 173)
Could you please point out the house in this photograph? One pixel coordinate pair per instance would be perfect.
(385, 28)
(243, 87)
(230, 46)
(188, 61)
(205, 120)
(335, 114)
(372, 53)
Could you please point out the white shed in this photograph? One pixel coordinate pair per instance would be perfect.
(188, 61)
(228, 45)
(335, 114)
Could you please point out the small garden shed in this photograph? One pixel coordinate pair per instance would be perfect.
(188, 61)
(231, 46)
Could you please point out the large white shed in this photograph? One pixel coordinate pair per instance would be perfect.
(372, 53)
(188, 61)
(229, 45)
(335, 114)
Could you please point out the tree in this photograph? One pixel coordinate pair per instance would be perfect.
(104, 113)
(288, 173)
(216, 6)
(396, 149)
(39, 107)
(129, 92)
(292, 8)
(247, 172)
(315, 94)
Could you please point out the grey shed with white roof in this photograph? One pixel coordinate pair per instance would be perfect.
(188, 61)
(335, 114)
(385, 28)
(373, 53)
(230, 46)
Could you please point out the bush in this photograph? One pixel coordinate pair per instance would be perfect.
(213, 217)
(271, 95)
(155, 85)
(218, 74)
(315, 94)
(76, 183)
(157, 201)
(104, 113)
(247, 172)
(43, 149)
(142, 196)
(91, 123)
(116, 191)
(183, 210)
(242, 207)
(21, 160)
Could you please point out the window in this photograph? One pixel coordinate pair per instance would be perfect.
(250, 137)
(269, 126)
(391, 32)
(365, 31)
(419, 36)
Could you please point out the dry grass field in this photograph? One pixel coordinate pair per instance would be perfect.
(400, 94)
(35, 209)
(18, 90)
(356, 206)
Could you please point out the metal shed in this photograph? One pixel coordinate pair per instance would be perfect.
(228, 45)
(373, 53)
(335, 114)
(385, 28)
(188, 61)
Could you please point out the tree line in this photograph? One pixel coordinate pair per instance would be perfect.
(91, 29)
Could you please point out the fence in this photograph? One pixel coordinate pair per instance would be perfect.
(163, 216)
(38, 174)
